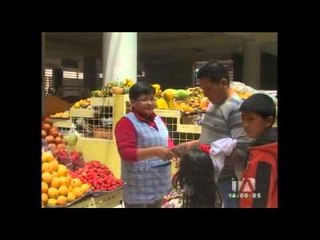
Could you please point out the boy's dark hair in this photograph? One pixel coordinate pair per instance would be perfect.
(261, 104)
(140, 88)
(213, 70)
(196, 178)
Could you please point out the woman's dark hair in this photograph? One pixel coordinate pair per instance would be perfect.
(140, 88)
(196, 178)
(213, 70)
(260, 104)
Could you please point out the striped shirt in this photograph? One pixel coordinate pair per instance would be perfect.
(223, 121)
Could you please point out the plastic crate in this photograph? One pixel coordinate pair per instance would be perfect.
(109, 200)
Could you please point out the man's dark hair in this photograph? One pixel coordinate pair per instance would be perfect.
(140, 88)
(213, 70)
(261, 104)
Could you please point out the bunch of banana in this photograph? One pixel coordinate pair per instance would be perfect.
(83, 103)
(157, 88)
(160, 102)
(65, 115)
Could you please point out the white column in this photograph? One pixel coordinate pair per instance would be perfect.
(251, 64)
(119, 56)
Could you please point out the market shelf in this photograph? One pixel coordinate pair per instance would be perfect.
(188, 128)
(101, 101)
(61, 123)
(168, 113)
(82, 112)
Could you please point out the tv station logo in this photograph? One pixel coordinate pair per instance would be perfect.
(244, 188)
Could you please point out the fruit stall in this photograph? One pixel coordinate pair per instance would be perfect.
(80, 161)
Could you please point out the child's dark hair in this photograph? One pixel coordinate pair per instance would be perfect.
(196, 178)
(140, 88)
(261, 104)
(213, 70)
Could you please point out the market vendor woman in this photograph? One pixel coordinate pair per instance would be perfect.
(143, 144)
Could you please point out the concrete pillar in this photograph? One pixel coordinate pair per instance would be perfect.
(251, 64)
(119, 56)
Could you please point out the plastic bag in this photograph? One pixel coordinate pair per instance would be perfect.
(72, 136)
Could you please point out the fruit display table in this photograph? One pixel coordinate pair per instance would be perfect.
(105, 200)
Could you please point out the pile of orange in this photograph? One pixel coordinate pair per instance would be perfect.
(58, 188)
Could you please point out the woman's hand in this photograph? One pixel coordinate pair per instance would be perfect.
(165, 153)
(182, 148)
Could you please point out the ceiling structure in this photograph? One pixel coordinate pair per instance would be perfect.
(160, 46)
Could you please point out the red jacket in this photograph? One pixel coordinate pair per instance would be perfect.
(263, 168)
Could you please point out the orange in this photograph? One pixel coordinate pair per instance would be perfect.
(71, 196)
(55, 182)
(52, 202)
(44, 187)
(44, 198)
(62, 200)
(85, 187)
(65, 180)
(54, 174)
(47, 157)
(63, 190)
(62, 170)
(78, 192)
(53, 192)
(76, 182)
(54, 165)
(46, 177)
(46, 167)
(70, 188)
